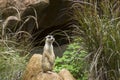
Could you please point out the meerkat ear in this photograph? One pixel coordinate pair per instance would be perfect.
(46, 36)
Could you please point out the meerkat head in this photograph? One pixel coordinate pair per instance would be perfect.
(50, 38)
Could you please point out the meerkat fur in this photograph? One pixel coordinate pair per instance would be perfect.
(48, 57)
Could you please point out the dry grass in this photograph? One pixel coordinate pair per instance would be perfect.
(99, 29)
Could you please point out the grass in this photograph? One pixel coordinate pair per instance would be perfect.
(12, 64)
(12, 61)
(100, 33)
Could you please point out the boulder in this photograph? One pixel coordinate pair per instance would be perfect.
(3, 3)
(34, 71)
(18, 7)
(66, 75)
(19, 4)
(47, 76)
(34, 67)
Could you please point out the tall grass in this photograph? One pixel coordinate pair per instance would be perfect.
(13, 33)
(99, 29)
(12, 61)
(12, 64)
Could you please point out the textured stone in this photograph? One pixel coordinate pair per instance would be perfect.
(66, 75)
(34, 71)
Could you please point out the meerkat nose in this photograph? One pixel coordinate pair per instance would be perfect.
(53, 39)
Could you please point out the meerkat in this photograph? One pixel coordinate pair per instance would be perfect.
(48, 57)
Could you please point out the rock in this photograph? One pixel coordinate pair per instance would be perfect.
(20, 4)
(66, 75)
(3, 3)
(47, 76)
(34, 71)
(34, 67)
(14, 7)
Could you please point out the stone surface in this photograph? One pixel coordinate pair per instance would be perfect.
(66, 75)
(20, 4)
(33, 68)
(34, 71)
(3, 3)
(47, 76)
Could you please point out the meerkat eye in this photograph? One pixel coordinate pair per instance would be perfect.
(49, 37)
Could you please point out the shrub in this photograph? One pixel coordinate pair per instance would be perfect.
(11, 64)
(73, 60)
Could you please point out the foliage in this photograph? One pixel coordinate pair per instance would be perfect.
(73, 60)
(99, 29)
(11, 64)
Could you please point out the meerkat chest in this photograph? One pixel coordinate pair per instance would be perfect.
(51, 54)
(49, 50)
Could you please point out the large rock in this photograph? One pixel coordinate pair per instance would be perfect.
(34, 71)
(34, 67)
(19, 4)
(3, 3)
(14, 7)
(47, 76)
(66, 75)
